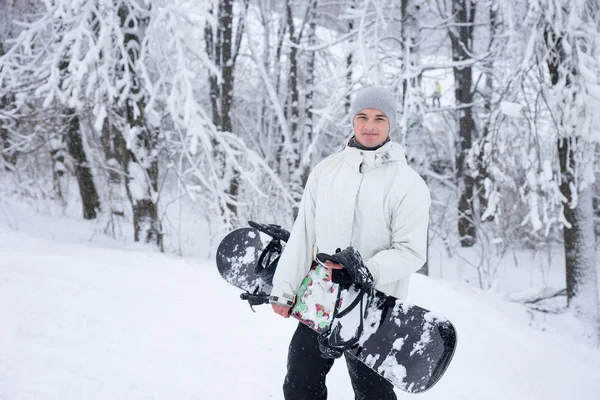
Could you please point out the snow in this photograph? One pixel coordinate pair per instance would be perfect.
(137, 181)
(103, 319)
(511, 109)
(425, 336)
(391, 369)
(372, 318)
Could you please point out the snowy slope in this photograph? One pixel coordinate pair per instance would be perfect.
(82, 321)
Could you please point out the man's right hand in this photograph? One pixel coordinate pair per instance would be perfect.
(282, 310)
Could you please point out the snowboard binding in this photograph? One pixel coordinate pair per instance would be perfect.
(353, 277)
(267, 262)
(255, 299)
(275, 231)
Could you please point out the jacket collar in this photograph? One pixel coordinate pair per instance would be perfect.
(364, 160)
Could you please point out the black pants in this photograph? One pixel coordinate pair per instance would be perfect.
(305, 379)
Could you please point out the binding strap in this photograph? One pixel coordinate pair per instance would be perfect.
(268, 260)
(338, 347)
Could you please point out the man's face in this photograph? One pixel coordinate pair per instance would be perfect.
(371, 127)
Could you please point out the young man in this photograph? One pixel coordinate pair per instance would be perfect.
(367, 197)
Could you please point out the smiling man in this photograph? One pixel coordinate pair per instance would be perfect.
(374, 116)
(366, 197)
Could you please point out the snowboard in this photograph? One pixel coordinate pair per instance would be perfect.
(407, 345)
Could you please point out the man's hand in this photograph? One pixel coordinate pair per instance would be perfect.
(282, 310)
(331, 266)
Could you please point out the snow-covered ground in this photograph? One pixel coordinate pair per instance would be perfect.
(85, 317)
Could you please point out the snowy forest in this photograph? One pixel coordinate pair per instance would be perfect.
(172, 122)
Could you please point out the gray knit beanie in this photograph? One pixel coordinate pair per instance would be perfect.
(378, 98)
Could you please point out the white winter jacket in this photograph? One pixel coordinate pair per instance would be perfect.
(371, 200)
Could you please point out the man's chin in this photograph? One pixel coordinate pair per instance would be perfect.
(369, 141)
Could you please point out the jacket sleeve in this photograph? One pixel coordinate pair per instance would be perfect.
(408, 253)
(298, 255)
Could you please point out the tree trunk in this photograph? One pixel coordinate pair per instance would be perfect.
(310, 87)
(223, 51)
(90, 200)
(461, 36)
(291, 144)
(411, 94)
(482, 172)
(141, 178)
(87, 189)
(409, 37)
(225, 41)
(213, 49)
(8, 159)
(112, 150)
(226, 45)
(278, 67)
(348, 102)
(141, 161)
(9, 156)
(596, 196)
(425, 268)
(349, 61)
(405, 43)
(292, 152)
(57, 158)
(265, 115)
(308, 99)
(579, 237)
(412, 121)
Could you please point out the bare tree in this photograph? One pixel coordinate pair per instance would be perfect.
(87, 188)
(9, 154)
(140, 161)
(293, 140)
(567, 51)
(461, 36)
(309, 90)
(223, 47)
(290, 143)
(483, 142)
(349, 62)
